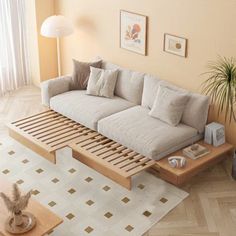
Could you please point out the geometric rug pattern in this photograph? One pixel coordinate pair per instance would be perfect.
(88, 202)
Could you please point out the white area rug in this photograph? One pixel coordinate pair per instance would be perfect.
(89, 203)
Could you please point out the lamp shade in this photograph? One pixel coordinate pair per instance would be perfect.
(56, 26)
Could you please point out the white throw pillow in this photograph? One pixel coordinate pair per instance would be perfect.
(169, 105)
(102, 82)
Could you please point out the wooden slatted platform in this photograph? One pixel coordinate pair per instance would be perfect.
(110, 158)
(49, 131)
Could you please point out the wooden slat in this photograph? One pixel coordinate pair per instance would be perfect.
(123, 160)
(67, 139)
(111, 154)
(41, 124)
(51, 133)
(69, 142)
(47, 125)
(33, 117)
(129, 161)
(102, 147)
(50, 128)
(94, 144)
(83, 138)
(61, 137)
(135, 171)
(133, 165)
(56, 137)
(102, 151)
(94, 141)
(37, 120)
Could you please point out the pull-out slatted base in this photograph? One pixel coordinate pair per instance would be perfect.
(110, 158)
(49, 131)
(46, 132)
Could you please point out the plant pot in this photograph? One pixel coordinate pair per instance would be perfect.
(20, 223)
(18, 219)
(234, 166)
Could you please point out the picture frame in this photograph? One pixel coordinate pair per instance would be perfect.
(133, 32)
(175, 45)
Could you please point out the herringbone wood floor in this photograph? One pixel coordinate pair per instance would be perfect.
(210, 210)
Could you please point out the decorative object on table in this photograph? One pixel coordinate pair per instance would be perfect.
(20, 222)
(221, 86)
(195, 151)
(133, 32)
(175, 45)
(215, 134)
(57, 26)
(177, 161)
(234, 166)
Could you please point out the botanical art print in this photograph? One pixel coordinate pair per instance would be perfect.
(133, 32)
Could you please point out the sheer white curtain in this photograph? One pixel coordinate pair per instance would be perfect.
(14, 65)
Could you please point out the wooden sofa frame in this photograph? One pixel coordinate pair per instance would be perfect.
(49, 131)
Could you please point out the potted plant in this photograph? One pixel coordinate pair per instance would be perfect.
(19, 221)
(221, 86)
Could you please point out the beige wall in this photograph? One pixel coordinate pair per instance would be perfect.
(47, 46)
(207, 24)
(42, 50)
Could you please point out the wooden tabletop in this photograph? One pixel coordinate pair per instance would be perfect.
(191, 165)
(46, 219)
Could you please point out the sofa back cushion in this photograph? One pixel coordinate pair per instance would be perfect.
(129, 83)
(196, 111)
(150, 87)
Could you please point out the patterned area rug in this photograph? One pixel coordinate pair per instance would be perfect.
(89, 203)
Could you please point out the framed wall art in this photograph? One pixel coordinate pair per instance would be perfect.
(175, 45)
(133, 32)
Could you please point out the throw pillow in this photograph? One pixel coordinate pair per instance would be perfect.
(81, 73)
(169, 105)
(102, 82)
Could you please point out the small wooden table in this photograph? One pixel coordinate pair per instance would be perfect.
(46, 220)
(178, 176)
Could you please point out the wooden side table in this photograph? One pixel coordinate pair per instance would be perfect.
(178, 176)
(46, 220)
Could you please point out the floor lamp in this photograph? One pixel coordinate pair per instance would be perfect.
(57, 26)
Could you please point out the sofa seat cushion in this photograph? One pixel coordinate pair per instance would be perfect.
(151, 137)
(85, 109)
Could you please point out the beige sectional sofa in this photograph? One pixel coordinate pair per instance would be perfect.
(125, 117)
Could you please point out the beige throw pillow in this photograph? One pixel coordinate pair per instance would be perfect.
(81, 73)
(169, 105)
(102, 82)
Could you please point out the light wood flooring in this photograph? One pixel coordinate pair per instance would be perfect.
(210, 210)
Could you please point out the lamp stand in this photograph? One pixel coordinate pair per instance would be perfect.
(58, 57)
